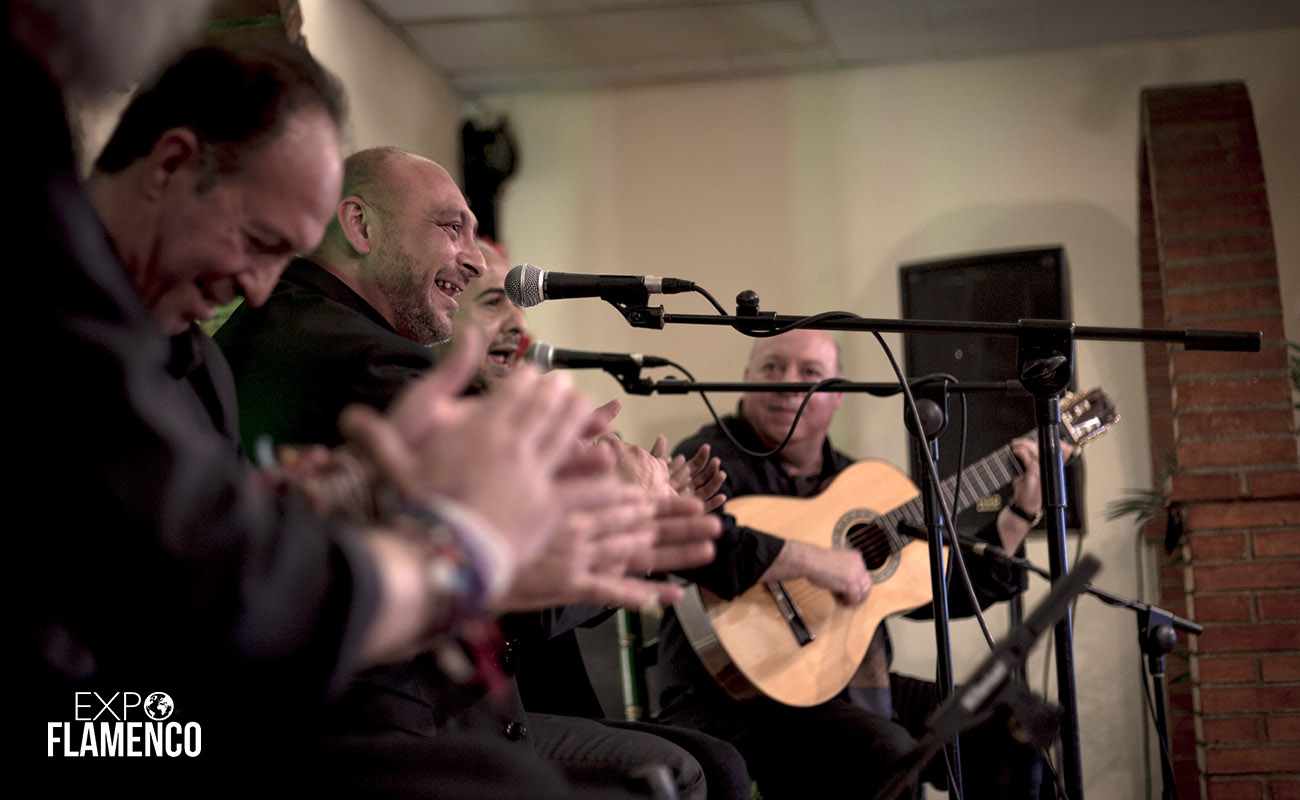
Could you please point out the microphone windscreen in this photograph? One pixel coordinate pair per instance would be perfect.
(524, 285)
(539, 355)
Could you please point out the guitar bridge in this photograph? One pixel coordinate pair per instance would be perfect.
(790, 612)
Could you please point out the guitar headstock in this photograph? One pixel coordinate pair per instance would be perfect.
(1086, 416)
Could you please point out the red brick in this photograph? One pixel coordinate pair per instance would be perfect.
(1270, 325)
(1261, 698)
(1215, 108)
(1210, 546)
(1193, 392)
(1183, 746)
(1284, 542)
(1222, 197)
(1221, 608)
(1278, 606)
(1156, 356)
(1245, 514)
(1235, 423)
(1187, 778)
(1198, 119)
(1199, 180)
(1220, 150)
(1183, 116)
(1226, 670)
(1212, 220)
(1285, 789)
(1245, 760)
(1233, 452)
(1153, 308)
(1235, 790)
(1283, 729)
(1274, 484)
(1171, 594)
(1185, 307)
(1249, 638)
(1280, 668)
(1271, 358)
(1231, 729)
(1247, 575)
(1214, 486)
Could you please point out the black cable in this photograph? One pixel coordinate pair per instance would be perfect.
(933, 470)
(722, 311)
(799, 413)
(1151, 709)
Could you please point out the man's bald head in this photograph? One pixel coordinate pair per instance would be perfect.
(376, 173)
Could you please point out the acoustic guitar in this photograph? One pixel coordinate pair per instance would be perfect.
(790, 640)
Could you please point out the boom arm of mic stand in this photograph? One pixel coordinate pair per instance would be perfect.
(982, 548)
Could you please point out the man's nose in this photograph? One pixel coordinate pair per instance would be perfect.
(472, 259)
(515, 322)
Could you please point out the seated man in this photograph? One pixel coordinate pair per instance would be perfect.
(353, 323)
(551, 673)
(858, 738)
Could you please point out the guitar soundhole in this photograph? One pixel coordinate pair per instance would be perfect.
(871, 541)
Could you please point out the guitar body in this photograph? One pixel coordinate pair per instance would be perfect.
(748, 644)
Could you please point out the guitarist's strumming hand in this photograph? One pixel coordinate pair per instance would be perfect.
(841, 572)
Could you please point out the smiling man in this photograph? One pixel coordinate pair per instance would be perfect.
(354, 321)
(205, 200)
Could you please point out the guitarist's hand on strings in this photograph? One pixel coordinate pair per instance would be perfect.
(841, 572)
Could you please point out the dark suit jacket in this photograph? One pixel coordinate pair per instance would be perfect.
(314, 348)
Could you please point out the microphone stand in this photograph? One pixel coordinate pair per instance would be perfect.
(932, 415)
(1045, 365)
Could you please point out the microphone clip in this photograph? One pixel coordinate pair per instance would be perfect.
(640, 316)
(629, 377)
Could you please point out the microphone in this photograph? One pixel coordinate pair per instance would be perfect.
(527, 285)
(547, 358)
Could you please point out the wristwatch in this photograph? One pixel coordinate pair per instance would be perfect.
(1032, 519)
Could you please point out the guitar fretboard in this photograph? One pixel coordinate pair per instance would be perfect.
(984, 477)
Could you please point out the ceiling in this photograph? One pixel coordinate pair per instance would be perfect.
(485, 46)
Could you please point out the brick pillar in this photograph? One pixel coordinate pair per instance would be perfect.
(1208, 261)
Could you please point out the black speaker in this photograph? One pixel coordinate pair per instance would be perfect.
(985, 287)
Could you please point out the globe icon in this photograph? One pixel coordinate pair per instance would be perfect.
(159, 706)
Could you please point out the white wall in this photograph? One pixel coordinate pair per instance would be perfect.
(812, 189)
(393, 97)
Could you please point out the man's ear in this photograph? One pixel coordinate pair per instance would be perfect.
(354, 220)
(174, 150)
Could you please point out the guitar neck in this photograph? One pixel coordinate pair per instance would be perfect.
(984, 477)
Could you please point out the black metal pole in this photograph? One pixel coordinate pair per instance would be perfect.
(944, 682)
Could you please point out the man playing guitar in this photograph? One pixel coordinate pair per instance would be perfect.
(855, 738)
